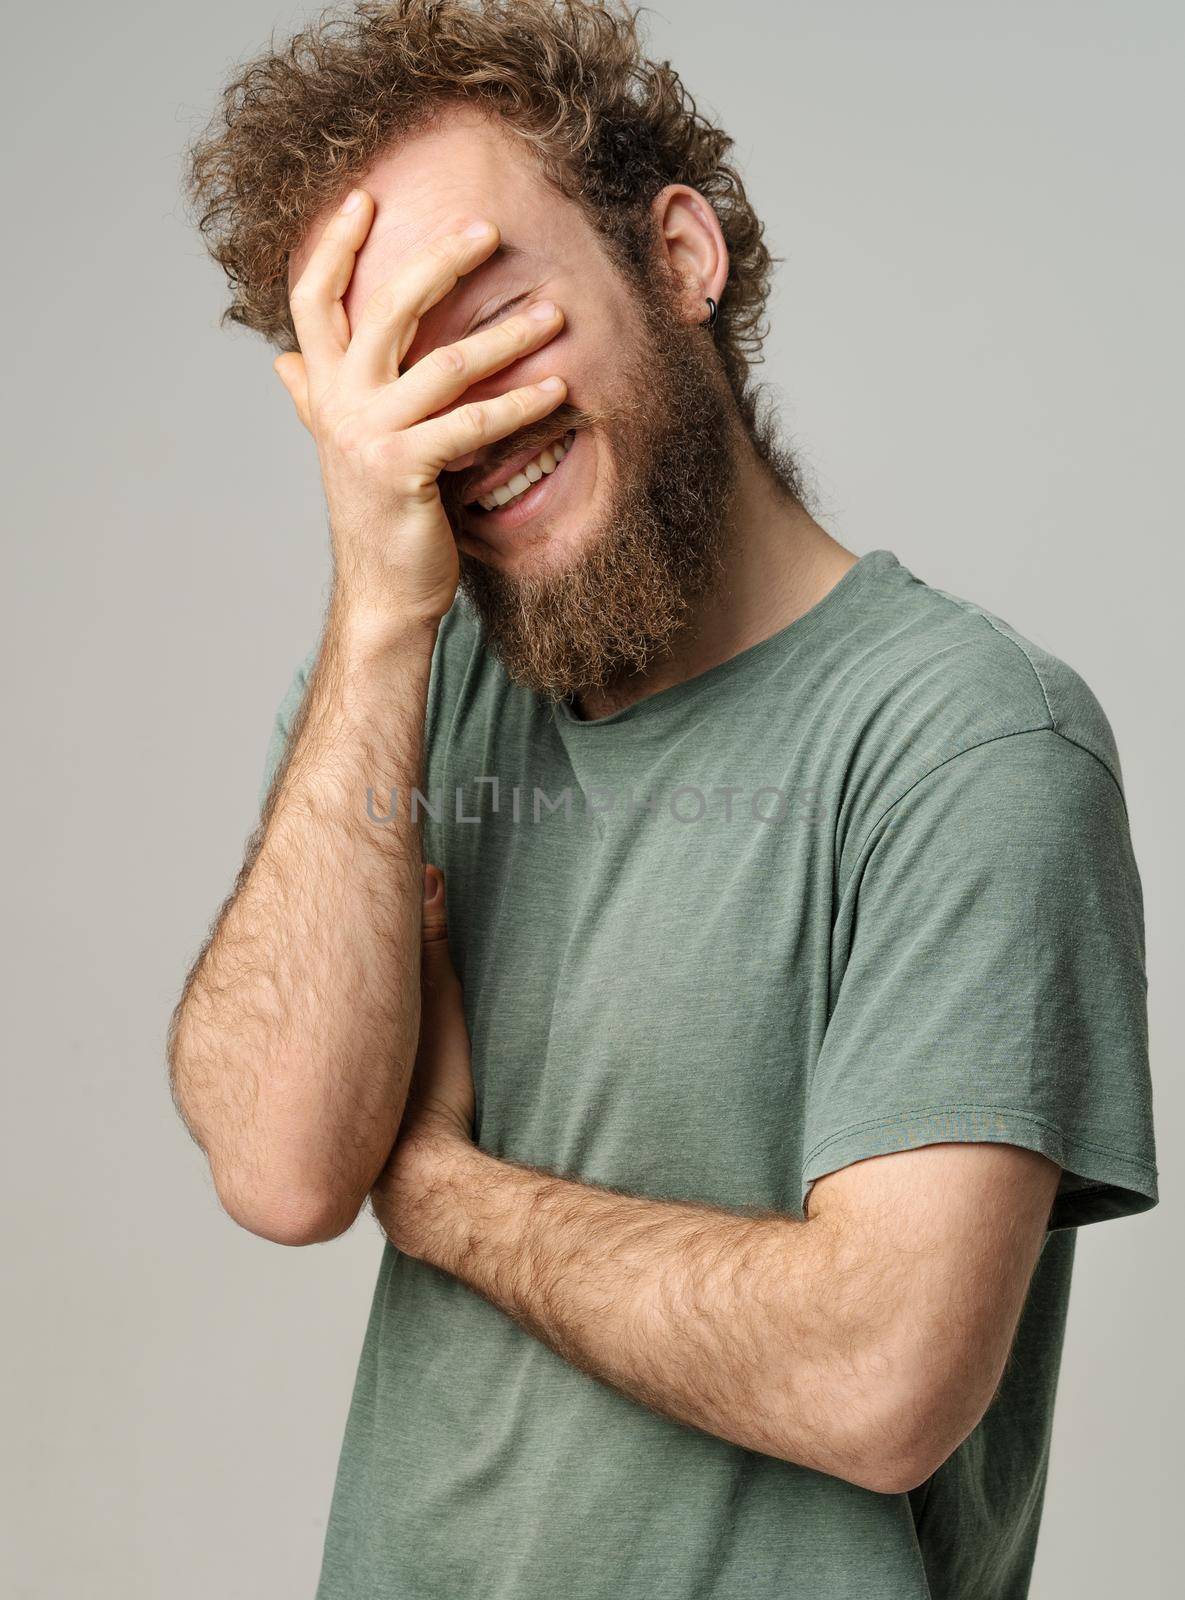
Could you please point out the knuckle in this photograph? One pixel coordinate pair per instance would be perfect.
(347, 434)
(448, 359)
(386, 452)
(383, 305)
(480, 413)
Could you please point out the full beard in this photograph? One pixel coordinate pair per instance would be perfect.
(602, 619)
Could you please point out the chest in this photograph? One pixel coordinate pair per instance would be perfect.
(645, 989)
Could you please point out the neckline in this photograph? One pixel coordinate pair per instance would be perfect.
(873, 561)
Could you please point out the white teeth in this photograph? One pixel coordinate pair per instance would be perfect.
(544, 463)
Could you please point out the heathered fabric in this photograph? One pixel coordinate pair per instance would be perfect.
(865, 886)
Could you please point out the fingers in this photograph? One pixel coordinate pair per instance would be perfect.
(447, 372)
(318, 315)
(290, 369)
(391, 316)
(435, 919)
(436, 963)
(467, 428)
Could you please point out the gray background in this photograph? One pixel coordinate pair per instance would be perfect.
(976, 343)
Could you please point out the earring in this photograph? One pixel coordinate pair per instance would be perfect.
(710, 320)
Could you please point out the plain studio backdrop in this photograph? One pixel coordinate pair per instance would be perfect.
(976, 348)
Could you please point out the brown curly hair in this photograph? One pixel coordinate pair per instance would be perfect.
(608, 127)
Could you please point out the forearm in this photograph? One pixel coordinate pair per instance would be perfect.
(292, 1045)
(754, 1328)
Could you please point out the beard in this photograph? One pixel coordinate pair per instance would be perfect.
(601, 619)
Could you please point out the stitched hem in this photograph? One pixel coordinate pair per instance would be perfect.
(1098, 1182)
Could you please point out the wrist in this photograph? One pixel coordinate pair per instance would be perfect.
(366, 634)
(422, 1205)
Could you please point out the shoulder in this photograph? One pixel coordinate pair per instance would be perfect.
(1019, 668)
(933, 677)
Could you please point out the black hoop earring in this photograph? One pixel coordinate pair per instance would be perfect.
(710, 320)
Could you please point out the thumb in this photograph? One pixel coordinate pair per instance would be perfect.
(435, 916)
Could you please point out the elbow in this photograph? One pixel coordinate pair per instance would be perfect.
(290, 1215)
(897, 1470)
(907, 1440)
(891, 1436)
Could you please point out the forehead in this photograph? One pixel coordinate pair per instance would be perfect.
(467, 166)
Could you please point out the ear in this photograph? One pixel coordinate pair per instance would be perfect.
(692, 243)
(290, 370)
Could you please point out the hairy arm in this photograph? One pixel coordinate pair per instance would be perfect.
(292, 1044)
(865, 1341)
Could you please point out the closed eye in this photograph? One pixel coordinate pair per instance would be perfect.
(492, 316)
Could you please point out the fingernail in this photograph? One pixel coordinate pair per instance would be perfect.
(431, 884)
(476, 229)
(542, 311)
(352, 201)
(552, 384)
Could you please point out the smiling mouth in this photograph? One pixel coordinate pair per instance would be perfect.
(519, 484)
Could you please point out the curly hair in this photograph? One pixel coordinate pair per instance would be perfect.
(608, 127)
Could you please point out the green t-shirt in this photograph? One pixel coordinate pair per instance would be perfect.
(866, 885)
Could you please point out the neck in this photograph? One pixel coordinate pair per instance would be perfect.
(778, 563)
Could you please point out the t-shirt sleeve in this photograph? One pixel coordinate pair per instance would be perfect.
(989, 982)
(282, 723)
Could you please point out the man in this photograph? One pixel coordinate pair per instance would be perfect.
(788, 1018)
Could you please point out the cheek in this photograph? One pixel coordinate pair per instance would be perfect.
(610, 342)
